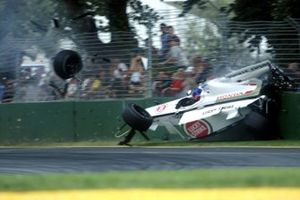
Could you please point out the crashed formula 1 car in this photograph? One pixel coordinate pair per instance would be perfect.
(250, 92)
(213, 105)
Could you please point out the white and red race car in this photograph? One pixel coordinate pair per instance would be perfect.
(213, 105)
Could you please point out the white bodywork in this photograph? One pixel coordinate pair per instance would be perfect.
(223, 101)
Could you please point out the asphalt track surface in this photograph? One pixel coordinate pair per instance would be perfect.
(102, 159)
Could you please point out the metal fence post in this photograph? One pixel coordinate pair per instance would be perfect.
(224, 38)
(297, 27)
(149, 56)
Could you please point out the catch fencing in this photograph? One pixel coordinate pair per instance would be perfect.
(137, 67)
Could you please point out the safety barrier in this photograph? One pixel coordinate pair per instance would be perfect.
(99, 120)
(289, 116)
(64, 121)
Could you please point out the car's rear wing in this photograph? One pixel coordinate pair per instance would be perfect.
(249, 72)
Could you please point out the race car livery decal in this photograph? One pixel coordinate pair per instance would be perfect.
(229, 96)
(197, 129)
(161, 108)
(217, 109)
(234, 95)
(249, 92)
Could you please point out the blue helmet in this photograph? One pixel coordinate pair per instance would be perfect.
(196, 92)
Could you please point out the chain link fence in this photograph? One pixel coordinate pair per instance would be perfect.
(205, 49)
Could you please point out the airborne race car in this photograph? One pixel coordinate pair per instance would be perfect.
(213, 105)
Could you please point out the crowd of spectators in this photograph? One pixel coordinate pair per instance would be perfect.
(173, 74)
(117, 80)
(178, 82)
(177, 74)
(6, 90)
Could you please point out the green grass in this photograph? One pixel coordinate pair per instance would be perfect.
(204, 178)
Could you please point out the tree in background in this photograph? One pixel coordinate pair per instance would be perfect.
(34, 20)
(252, 10)
(210, 36)
(202, 38)
(263, 12)
(284, 47)
(80, 16)
(267, 10)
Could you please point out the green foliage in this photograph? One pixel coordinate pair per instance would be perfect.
(201, 178)
(143, 14)
(253, 10)
(209, 9)
(33, 20)
(202, 40)
(189, 4)
(264, 12)
(286, 8)
(204, 37)
(270, 10)
(267, 10)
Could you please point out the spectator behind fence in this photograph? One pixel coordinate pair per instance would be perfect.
(176, 58)
(96, 89)
(176, 85)
(85, 86)
(72, 88)
(164, 41)
(154, 50)
(202, 70)
(119, 75)
(160, 83)
(2, 89)
(171, 34)
(9, 91)
(136, 74)
(190, 80)
(95, 85)
(58, 87)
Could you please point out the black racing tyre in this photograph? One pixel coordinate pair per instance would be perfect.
(137, 117)
(256, 121)
(67, 64)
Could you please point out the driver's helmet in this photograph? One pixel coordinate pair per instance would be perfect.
(196, 93)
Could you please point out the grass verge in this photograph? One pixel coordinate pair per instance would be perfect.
(204, 178)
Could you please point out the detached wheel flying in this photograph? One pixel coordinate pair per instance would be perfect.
(67, 64)
(137, 117)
